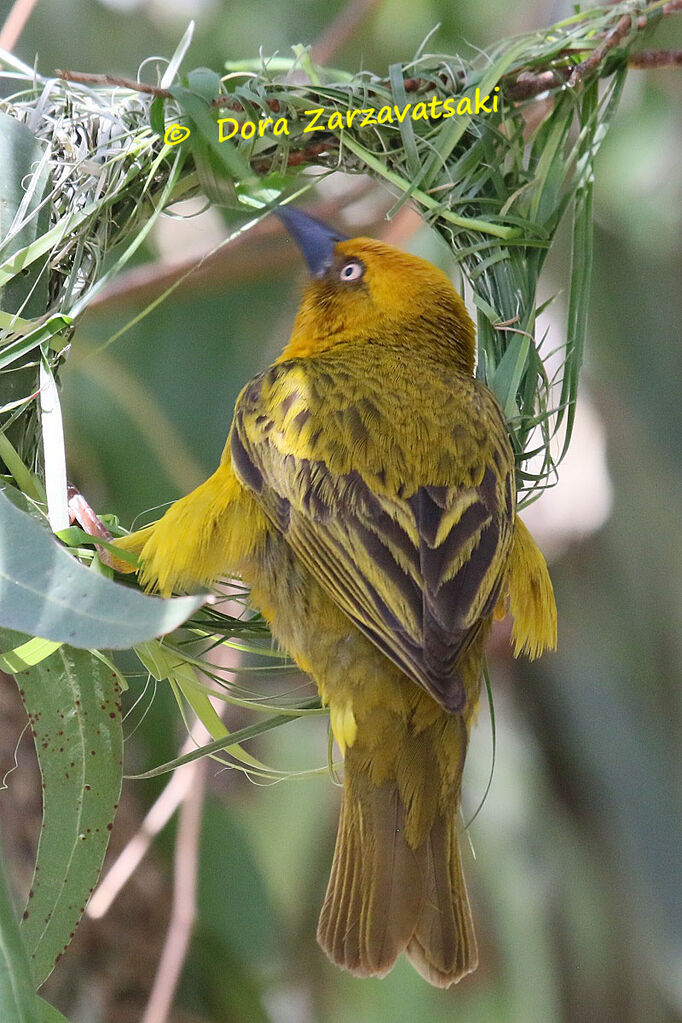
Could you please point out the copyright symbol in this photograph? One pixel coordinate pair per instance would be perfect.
(175, 133)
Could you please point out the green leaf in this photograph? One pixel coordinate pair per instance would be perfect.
(22, 476)
(71, 699)
(204, 82)
(219, 164)
(507, 376)
(395, 72)
(27, 655)
(26, 343)
(49, 1014)
(45, 592)
(157, 116)
(18, 1000)
(178, 57)
(233, 739)
(73, 536)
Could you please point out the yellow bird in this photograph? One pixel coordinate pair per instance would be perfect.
(366, 495)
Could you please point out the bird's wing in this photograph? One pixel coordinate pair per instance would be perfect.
(417, 565)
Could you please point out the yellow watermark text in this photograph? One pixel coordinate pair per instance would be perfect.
(316, 120)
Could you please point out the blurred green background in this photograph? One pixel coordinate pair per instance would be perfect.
(574, 860)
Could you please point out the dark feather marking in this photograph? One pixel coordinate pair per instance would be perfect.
(282, 512)
(407, 656)
(252, 394)
(439, 495)
(272, 374)
(488, 489)
(384, 560)
(452, 696)
(456, 596)
(302, 418)
(245, 468)
(382, 522)
(286, 403)
(435, 561)
(427, 514)
(329, 562)
(492, 600)
(352, 417)
(312, 502)
(368, 406)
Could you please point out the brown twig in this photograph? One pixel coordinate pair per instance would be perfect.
(125, 865)
(342, 29)
(14, 23)
(81, 512)
(184, 906)
(529, 84)
(611, 40)
(84, 78)
(646, 59)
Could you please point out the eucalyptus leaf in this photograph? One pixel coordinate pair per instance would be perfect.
(71, 699)
(45, 592)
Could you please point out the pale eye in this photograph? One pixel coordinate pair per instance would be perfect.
(351, 271)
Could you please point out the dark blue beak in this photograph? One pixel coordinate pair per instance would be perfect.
(315, 239)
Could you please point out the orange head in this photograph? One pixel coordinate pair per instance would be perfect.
(362, 290)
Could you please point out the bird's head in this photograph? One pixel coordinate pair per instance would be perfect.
(361, 290)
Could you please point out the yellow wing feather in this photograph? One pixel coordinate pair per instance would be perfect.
(531, 596)
(202, 537)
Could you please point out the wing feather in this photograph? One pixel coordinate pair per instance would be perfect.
(416, 564)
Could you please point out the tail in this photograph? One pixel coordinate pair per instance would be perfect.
(387, 896)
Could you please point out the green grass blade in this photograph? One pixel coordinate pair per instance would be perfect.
(250, 732)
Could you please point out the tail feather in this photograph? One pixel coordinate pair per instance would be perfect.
(443, 946)
(341, 922)
(374, 890)
(392, 879)
(385, 897)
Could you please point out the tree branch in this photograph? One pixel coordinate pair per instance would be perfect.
(14, 23)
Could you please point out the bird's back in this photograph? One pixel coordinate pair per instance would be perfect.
(404, 416)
